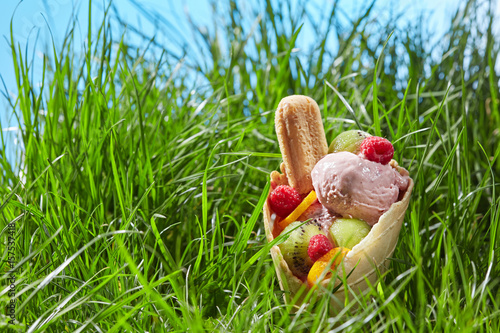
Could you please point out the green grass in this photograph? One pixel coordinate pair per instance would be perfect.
(138, 204)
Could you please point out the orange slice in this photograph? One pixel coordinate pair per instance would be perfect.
(323, 263)
(311, 197)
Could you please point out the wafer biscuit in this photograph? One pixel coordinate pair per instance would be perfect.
(301, 139)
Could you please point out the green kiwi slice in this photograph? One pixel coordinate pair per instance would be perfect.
(349, 232)
(348, 141)
(294, 249)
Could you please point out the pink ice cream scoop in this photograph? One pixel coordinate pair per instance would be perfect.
(354, 187)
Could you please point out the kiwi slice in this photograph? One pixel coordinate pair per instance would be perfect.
(294, 249)
(349, 232)
(348, 141)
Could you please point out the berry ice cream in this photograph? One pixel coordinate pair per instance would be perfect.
(352, 186)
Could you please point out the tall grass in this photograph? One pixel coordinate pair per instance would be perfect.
(143, 174)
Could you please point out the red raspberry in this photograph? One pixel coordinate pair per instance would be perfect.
(284, 199)
(319, 245)
(377, 149)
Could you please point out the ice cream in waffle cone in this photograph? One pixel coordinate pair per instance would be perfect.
(303, 145)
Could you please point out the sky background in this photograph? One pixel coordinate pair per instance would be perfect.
(49, 19)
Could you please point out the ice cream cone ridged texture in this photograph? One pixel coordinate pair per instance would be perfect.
(299, 131)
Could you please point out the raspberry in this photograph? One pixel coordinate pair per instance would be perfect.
(319, 245)
(284, 199)
(377, 149)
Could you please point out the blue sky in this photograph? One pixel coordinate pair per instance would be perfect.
(46, 17)
(52, 16)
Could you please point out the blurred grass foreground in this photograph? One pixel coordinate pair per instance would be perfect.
(136, 197)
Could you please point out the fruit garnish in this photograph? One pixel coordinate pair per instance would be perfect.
(323, 263)
(311, 197)
(319, 245)
(348, 141)
(294, 249)
(348, 232)
(377, 149)
(284, 199)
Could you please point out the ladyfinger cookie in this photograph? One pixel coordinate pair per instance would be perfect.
(301, 139)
